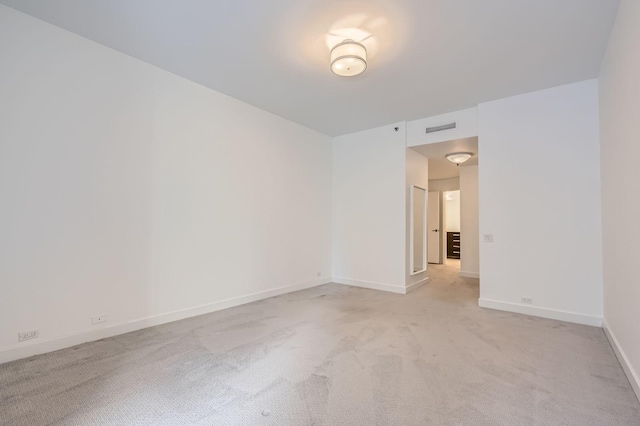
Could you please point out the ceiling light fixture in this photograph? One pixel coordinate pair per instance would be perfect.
(459, 157)
(348, 58)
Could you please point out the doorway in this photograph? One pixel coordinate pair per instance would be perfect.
(452, 208)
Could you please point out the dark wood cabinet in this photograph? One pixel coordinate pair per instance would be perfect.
(453, 245)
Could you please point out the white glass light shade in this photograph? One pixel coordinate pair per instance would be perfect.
(459, 157)
(348, 58)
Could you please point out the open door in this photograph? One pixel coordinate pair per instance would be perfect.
(434, 240)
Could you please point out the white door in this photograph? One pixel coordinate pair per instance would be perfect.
(434, 240)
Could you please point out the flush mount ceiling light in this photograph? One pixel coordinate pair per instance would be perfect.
(459, 157)
(348, 58)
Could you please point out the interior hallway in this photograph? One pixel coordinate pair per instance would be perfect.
(333, 355)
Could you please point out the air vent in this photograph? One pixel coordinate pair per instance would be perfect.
(441, 128)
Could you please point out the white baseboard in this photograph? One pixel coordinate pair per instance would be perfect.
(632, 375)
(35, 347)
(371, 285)
(541, 312)
(469, 274)
(417, 285)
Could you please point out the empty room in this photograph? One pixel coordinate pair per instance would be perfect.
(319, 212)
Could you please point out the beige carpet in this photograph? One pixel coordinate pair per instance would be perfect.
(333, 355)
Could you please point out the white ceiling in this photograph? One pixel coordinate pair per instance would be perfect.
(428, 57)
(439, 166)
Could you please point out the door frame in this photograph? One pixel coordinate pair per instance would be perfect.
(440, 226)
(424, 231)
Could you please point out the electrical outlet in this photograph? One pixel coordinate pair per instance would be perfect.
(527, 300)
(28, 335)
(98, 319)
(488, 238)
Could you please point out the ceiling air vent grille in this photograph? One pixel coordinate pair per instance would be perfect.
(441, 128)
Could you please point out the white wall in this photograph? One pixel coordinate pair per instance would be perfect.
(469, 222)
(466, 126)
(451, 184)
(130, 192)
(243, 198)
(417, 172)
(369, 208)
(540, 198)
(620, 150)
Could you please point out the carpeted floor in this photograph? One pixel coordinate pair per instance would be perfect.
(333, 355)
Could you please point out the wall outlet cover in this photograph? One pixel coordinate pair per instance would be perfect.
(28, 335)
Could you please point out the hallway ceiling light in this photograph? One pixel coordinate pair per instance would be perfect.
(459, 157)
(348, 58)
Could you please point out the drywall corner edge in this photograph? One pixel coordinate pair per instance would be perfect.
(537, 311)
(631, 374)
(34, 347)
